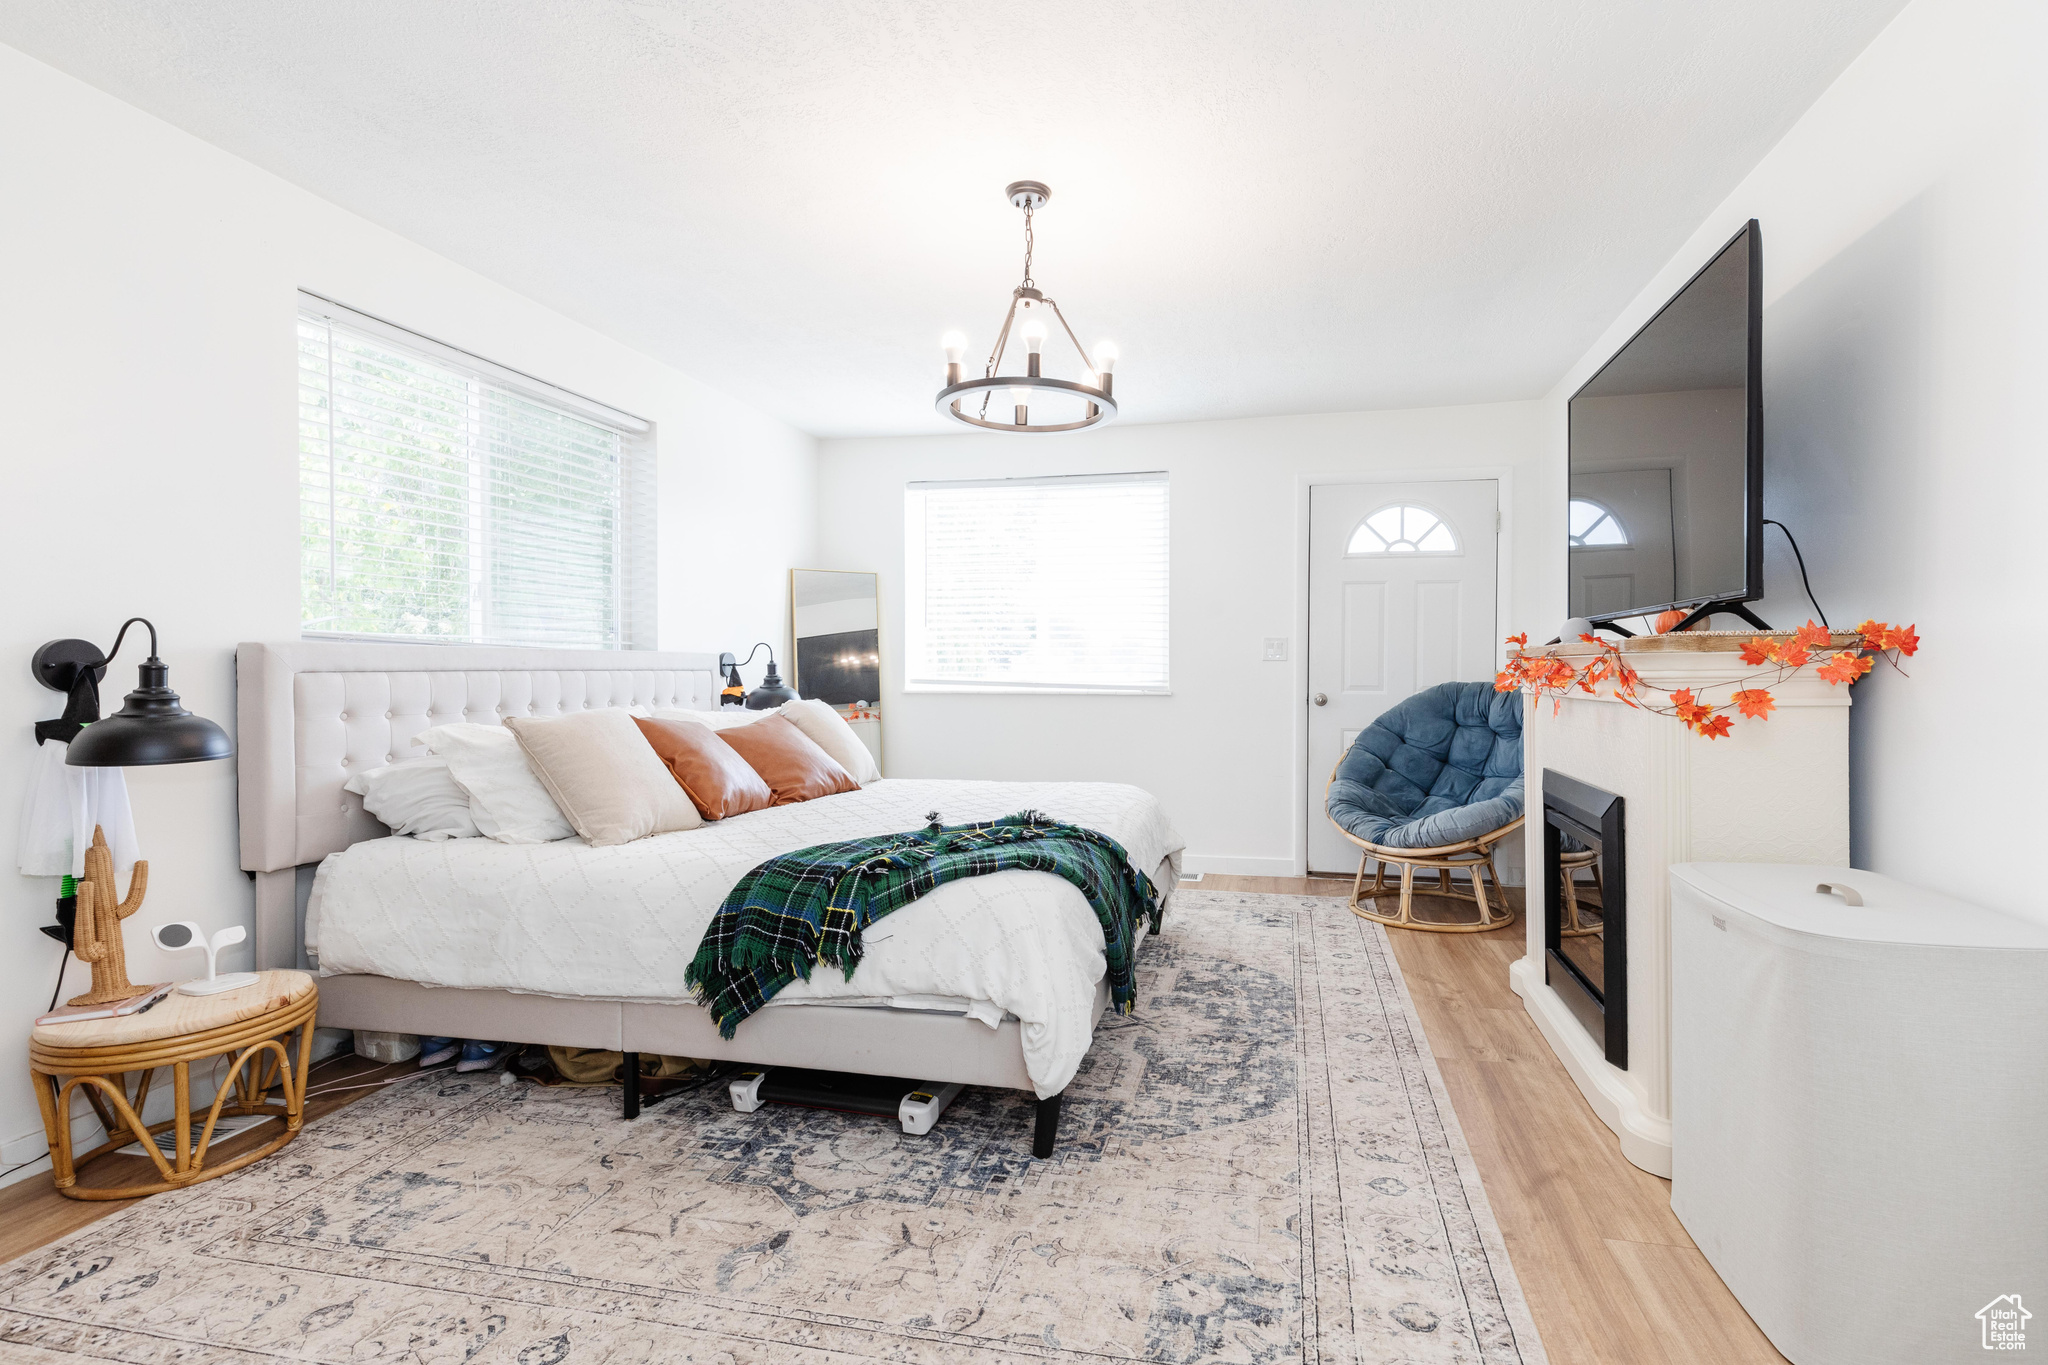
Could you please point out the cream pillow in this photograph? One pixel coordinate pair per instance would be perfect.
(604, 775)
(506, 800)
(826, 728)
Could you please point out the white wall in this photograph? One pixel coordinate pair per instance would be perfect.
(147, 374)
(1225, 752)
(1905, 349)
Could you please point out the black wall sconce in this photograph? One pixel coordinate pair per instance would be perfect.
(151, 727)
(769, 695)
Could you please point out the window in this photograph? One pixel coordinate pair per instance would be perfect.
(443, 498)
(1594, 526)
(1037, 585)
(1402, 531)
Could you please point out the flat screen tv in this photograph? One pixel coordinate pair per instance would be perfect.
(1667, 455)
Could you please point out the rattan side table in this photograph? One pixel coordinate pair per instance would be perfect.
(252, 1025)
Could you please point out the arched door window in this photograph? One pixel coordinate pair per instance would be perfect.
(1401, 530)
(1595, 527)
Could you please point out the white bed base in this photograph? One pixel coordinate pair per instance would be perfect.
(311, 713)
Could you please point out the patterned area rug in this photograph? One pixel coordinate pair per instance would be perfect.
(1260, 1165)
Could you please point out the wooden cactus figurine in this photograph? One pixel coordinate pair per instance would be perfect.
(97, 938)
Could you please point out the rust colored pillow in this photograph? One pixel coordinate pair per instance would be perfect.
(718, 781)
(788, 760)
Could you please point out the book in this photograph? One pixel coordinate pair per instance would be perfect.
(134, 1004)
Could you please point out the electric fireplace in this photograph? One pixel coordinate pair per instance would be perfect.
(1585, 904)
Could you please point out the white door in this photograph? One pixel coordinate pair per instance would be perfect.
(1400, 597)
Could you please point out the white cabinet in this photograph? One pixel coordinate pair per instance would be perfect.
(1859, 1107)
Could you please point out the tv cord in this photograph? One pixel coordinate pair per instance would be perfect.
(1802, 569)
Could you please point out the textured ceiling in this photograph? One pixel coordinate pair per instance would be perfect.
(1700, 339)
(1272, 208)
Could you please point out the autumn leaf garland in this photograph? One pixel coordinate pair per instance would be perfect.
(1544, 675)
(1754, 703)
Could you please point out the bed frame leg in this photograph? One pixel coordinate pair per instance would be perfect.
(631, 1072)
(1048, 1129)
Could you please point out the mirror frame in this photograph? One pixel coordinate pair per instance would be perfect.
(796, 670)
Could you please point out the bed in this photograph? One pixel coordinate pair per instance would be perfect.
(993, 981)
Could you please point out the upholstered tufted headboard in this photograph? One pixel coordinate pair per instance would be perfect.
(311, 714)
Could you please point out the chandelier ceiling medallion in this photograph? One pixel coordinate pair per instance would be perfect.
(1064, 405)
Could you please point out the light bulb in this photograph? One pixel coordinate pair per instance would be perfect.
(1020, 398)
(956, 346)
(1034, 336)
(1105, 357)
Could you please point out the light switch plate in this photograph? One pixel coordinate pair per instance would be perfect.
(1276, 649)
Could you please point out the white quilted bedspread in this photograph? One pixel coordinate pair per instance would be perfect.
(622, 923)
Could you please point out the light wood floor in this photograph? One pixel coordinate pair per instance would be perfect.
(1610, 1276)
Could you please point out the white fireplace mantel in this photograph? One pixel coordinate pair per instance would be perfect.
(1773, 791)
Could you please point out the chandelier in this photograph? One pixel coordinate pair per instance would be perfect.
(1070, 406)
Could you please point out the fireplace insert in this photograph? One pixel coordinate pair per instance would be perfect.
(1585, 902)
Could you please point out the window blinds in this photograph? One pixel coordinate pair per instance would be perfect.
(445, 498)
(1055, 584)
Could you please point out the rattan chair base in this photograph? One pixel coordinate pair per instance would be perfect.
(1474, 856)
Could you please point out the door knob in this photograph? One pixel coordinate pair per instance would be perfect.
(1322, 699)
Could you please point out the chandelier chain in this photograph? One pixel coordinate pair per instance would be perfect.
(1028, 242)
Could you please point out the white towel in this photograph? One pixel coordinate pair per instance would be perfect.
(64, 803)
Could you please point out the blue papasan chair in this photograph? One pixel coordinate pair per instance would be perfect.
(1434, 783)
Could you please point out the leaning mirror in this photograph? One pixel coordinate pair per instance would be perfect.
(836, 618)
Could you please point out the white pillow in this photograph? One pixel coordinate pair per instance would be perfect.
(416, 796)
(825, 727)
(506, 800)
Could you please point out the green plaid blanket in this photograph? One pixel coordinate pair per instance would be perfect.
(811, 906)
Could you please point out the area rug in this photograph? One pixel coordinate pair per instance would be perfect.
(1260, 1165)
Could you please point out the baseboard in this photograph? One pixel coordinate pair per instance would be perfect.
(1240, 867)
(28, 1155)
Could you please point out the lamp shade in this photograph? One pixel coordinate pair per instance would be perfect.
(770, 694)
(151, 727)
